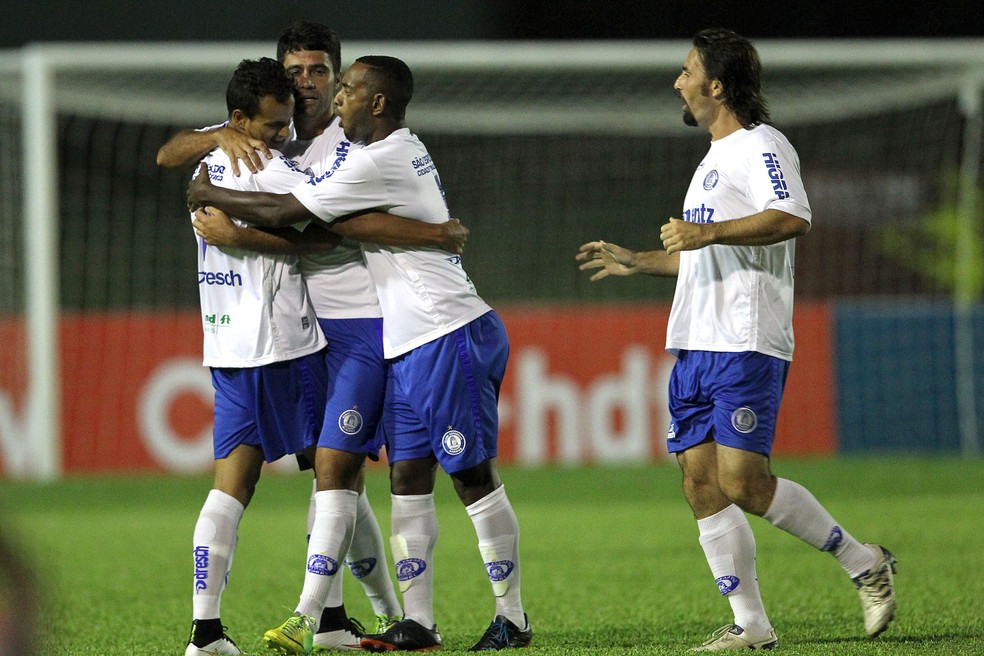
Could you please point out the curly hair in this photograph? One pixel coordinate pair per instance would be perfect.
(255, 79)
(733, 60)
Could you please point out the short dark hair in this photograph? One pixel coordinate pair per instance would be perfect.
(305, 35)
(255, 79)
(392, 78)
(731, 59)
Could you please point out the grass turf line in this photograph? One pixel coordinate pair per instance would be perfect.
(610, 560)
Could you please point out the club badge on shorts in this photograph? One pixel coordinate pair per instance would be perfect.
(453, 442)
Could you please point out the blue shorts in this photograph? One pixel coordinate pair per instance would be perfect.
(442, 398)
(356, 385)
(732, 398)
(278, 407)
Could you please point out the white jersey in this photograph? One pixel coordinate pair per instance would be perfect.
(255, 307)
(338, 281)
(739, 298)
(424, 292)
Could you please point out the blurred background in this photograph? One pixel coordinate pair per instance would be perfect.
(551, 124)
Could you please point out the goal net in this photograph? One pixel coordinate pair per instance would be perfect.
(541, 147)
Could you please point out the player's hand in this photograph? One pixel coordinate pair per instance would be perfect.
(237, 146)
(680, 235)
(199, 189)
(610, 259)
(454, 236)
(215, 227)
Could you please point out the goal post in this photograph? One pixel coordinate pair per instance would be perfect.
(542, 145)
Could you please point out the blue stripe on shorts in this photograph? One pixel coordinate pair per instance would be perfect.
(732, 398)
(442, 397)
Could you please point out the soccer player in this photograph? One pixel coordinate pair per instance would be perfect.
(263, 346)
(447, 352)
(343, 296)
(730, 327)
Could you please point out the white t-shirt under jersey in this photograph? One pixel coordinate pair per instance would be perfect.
(338, 281)
(424, 292)
(739, 298)
(255, 307)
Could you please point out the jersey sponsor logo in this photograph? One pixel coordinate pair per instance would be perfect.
(711, 180)
(230, 279)
(410, 568)
(201, 568)
(212, 322)
(727, 584)
(702, 214)
(453, 442)
(362, 568)
(834, 540)
(341, 152)
(499, 570)
(744, 420)
(775, 174)
(423, 165)
(350, 422)
(322, 565)
(216, 171)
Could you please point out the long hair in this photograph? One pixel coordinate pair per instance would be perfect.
(733, 60)
(305, 35)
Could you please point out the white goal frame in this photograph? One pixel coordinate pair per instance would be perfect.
(37, 65)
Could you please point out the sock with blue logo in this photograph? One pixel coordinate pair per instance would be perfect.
(498, 541)
(795, 510)
(214, 546)
(414, 531)
(334, 521)
(367, 561)
(729, 547)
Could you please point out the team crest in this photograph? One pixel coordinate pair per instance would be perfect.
(835, 539)
(499, 570)
(711, 180)
(322, 564)
(350, 422)
(727, 584)
(410, 568)
(453, 443)
(744, 420)
(362, 568)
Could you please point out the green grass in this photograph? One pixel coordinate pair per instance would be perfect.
(610, 558)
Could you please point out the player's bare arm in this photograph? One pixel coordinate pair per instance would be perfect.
(271, 210)
(614, 260)
(187, 147)
(392, 230)
(217, 229)
(762, 229)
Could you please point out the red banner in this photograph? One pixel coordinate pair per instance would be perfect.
(585, 384)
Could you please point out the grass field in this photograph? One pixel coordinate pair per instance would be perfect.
(611, 562)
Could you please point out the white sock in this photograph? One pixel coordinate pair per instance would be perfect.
(795, 510)
(414, 534)
(367, 561)
(214, 548)
(729, 547)
(498, 541)
(334, 522)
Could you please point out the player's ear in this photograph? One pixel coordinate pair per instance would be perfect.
(717, 89)
(237, 120)
(378, 104)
